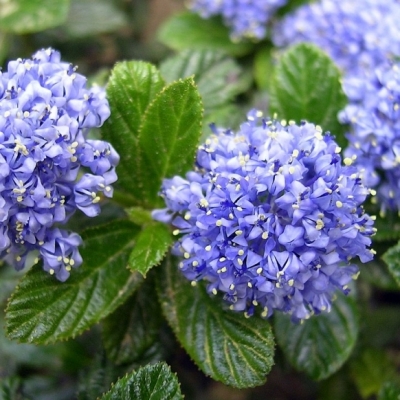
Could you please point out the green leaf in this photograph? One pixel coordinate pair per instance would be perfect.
(5, 41)
(263, 68)
(169, 136)
(224, 344)
(388, 228)
(151, 245)
(338, 386)
(229, 116)
(306, 86)
(374, 318)
(392, 259)
(376, 272)
(93, 17)
(97, 378)
(9, 278)
(9, 388)
(134, 327)
(320, 345)
(132, 86)
(28, 16)
(139, 216)
(190, 31)
(371, 370)
(290, 6)
(43, 310)
(218, 77)
(389, 391)
(152, 382)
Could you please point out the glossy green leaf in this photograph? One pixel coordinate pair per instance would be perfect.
(320, 345)
(44, 310)
(152, 382)
(93, 17)
(371, 370)
(151, 246)
(132, 86)
(389, 391)
(219, 78)
(306, 86)
(392, 259)
(190, 31)
(134, 327)
(169, 136)
(225, 345)
(28, 16)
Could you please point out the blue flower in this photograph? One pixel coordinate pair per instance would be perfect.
(374, 141)
(246, 19)
(358, 34)
(48, 167)
(270, 217)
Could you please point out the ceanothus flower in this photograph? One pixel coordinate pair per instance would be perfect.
(246, 19)
(270, 217)
(48, 167)
(358, 34)
(374, 142)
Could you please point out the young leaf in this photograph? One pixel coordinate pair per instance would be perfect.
(152, 382)
(43, 310)
(392, 259)
(132, 86)
(169, 135)
(218, 77)
(134, 327)
(28, 16)
(321, 344)
(151, 245)
(190, 31)
(306, 86)
(224, 344)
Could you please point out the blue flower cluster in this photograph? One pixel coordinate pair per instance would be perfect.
(48, 168)
(358, 34)
(270, 217)
(374, 116)
(246, 19)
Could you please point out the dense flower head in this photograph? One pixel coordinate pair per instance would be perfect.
(358, 34)
(373, 113)
(245, 18)
(48, 167)
(270, 217)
